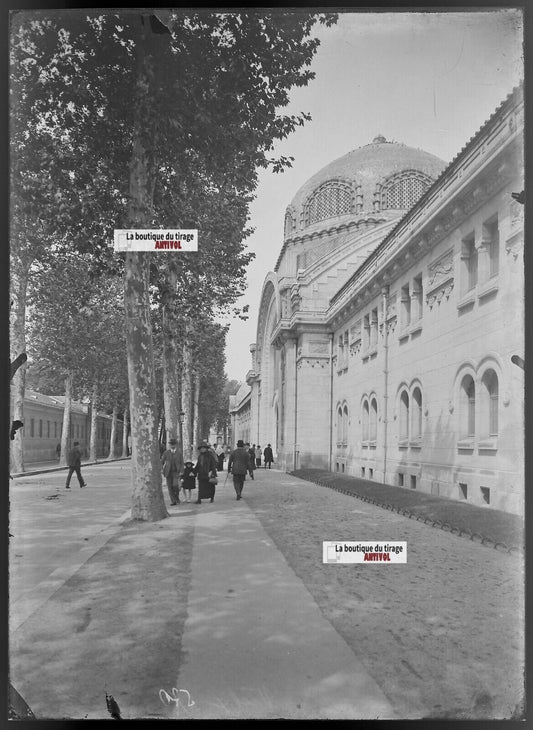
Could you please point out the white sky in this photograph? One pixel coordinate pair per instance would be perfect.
(429, 80)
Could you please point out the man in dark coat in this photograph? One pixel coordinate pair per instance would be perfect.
(239, 465)
(172, 464)
(268, 456)
(74, 465)
(206, 468)
(251, 453)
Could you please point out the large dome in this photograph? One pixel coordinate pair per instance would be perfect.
(380, 177)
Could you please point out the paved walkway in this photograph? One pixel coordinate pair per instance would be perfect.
(93, 608)
(256, 643)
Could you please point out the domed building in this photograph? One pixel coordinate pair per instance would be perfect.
(372, 185)
(386, 330)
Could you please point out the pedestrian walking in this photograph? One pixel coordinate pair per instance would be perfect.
(220, 457)
(58, 452)
(239, 466)
(251, 452)
(206, 471)
(188, 480)
(74, 465)
(269, 457)
(172, 464)
(258, 454)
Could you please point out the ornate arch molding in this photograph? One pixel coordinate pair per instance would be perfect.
(335, 197)
(404, 385)
(415, 383)
(401, 190)
(490, 361)
(269, 297)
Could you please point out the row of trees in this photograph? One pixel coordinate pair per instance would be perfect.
(136, 120)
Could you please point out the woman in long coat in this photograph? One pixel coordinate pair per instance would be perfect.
(206, 467)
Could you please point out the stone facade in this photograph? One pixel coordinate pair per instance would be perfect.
(240, 415)
(386, 331)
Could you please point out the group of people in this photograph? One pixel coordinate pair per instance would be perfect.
(179, 475)
(257, 454)
(183, 476)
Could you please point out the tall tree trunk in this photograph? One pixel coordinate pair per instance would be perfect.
(125, 432)
(196, 410)
(170, 360)
(93, 439)
(113, 432)
(162, 430)
(66, 444)
(186, 404)
(147, 497)
(19, 287)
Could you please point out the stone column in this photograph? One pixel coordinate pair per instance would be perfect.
(289, 405)
(313, 367)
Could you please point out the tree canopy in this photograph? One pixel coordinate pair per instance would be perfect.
(118, 126)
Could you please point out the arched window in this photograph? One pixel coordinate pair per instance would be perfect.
(416, 415)
(468, 407)
(490, 403)
(339, 425)
(373, 419)
(331, 199)
(404, 416)
(345, 425)
(366, 419)
(403, 190)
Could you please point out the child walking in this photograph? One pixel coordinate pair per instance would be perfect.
(188, 480)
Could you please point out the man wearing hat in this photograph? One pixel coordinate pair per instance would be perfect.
(239, 465)
(172, 464)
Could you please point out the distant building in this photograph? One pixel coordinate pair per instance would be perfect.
(43, 427)
(386, 330)
(240, 415)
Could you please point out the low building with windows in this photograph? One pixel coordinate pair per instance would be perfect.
(386, 330)
(43, 427)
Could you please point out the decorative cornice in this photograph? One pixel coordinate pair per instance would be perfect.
(494, 135)
(443, 290)
(439, 270)
(313, 362)
(485, 185)
(252, 377)
(342, 227)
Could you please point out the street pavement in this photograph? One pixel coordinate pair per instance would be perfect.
(56, 530)
(95, 608)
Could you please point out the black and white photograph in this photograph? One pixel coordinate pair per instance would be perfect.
(267, 362)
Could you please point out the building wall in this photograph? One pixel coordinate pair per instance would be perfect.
(241, 421)
(458, 334)
(422, 314)
(43, 426)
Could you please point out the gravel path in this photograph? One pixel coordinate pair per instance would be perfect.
(443, 635)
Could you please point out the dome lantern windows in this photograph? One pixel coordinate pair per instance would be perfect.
(332, 199)
(402, 191)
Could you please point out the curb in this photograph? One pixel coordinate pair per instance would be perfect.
(46, 470)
